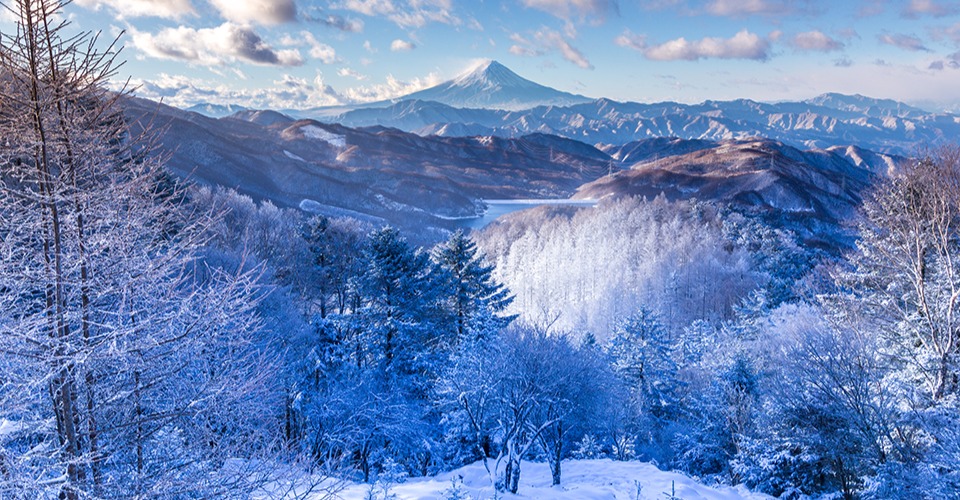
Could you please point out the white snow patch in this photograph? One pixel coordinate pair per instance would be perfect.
(292, 156)
(310, 206)
(582, 479)
(315, 132)
(483, 140)
(9, 427)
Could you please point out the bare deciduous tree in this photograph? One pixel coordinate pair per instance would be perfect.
(125, 358)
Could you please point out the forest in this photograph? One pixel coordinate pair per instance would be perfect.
(166, 340)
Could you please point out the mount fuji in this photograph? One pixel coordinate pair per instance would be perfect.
(492, 85)
(488, 85)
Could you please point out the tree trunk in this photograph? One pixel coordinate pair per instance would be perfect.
(513, 475)
(557, 454)
(555, 465)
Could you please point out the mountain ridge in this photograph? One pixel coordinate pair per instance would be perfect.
(492, 100)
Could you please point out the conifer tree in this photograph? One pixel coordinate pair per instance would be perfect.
(475, 301)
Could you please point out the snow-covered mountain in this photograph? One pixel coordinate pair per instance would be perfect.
(828, 120)
(809, 191)
(488, 85)
(492, 85)
(491, 100)
(386, 174)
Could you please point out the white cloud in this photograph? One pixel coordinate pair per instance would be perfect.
(546, 40)
(348, 25)
(523, 47)
(392, 88)
(815, 41)
(737, 8)
(369, 47)
(401, 45)
(351, 73)
(318, 50)
(257, 11)
(905, 42)
(405, 13)
(565, 9)
(224, 44)
(370, 7)
(286, 93)
(918, 8)
(168, 9)
(323, 52)
(743, 45)
(951, 33)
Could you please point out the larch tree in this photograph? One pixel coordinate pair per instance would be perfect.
(125, 360)
(909, 267)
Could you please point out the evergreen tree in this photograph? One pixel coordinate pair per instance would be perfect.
(474, 300)
(642, 353)
(400, 293)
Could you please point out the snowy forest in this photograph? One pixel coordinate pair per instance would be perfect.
(166, 340)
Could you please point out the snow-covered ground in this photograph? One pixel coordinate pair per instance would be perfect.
(582, 479)
(315, 132)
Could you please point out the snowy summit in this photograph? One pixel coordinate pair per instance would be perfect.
(493, 85)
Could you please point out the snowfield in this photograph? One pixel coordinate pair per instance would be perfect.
(315, 132)
(582, 479)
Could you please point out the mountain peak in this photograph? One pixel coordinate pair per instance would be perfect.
(490, 84)
(869, 106)
(491, 75)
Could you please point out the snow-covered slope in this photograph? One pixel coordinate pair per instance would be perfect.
(582, 480)
(809, 191)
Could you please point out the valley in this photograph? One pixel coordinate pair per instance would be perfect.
(424, 182)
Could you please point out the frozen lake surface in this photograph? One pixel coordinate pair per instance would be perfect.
(497, 208)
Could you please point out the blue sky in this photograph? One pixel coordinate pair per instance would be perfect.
(304, 53)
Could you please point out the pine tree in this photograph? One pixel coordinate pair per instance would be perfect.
(399, 289)
(474, 300)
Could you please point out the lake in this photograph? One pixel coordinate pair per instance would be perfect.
(497, 208)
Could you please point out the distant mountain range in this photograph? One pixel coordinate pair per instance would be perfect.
(491, 100)
(825, 121)
(429, 159)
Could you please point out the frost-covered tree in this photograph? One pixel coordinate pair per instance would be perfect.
(337, 249)
(124, 354)
(473, 299)
(577, 396)
(901, 294)
(642, 354)
(908, 267)
(586, 270)
(507, 394)
(400, 291)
